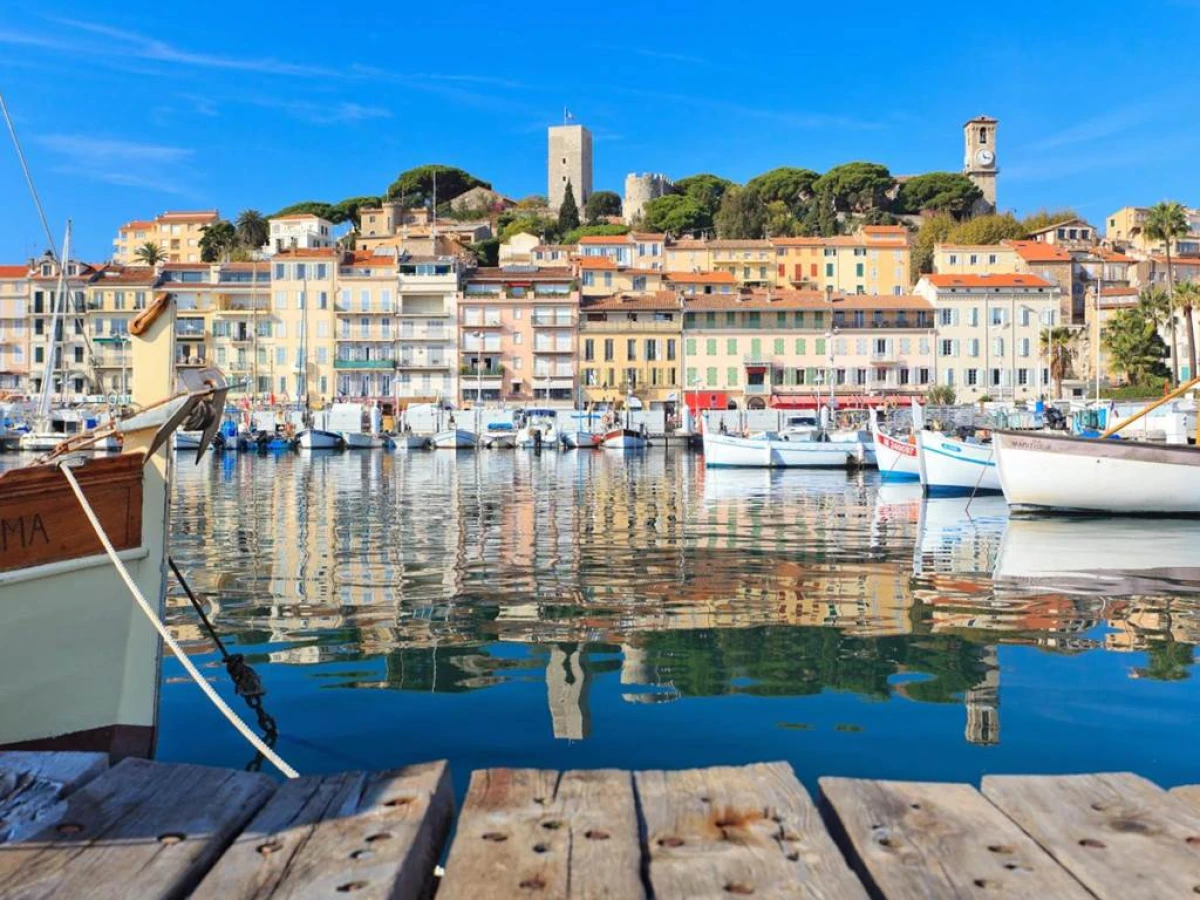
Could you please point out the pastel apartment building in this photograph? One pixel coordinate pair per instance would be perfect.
(786, 348)
(366, 326)
(177, 234)
(629, 346)
(1126, 229)
(115, 295)
(427, 314)
(71, 370)
(517, 329)
(14, 329)
(301, 231)
(876, 260)
(989, 332)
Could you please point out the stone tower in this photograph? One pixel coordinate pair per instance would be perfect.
(640, 190)
(570, 160)
(979, 162)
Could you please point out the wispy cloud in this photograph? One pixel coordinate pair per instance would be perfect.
(803, 119)
(1106, 125)
(335, 112)
(124, 163)
(671, 57)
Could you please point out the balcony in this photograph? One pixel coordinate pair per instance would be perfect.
(650, 326)
(757, 361)
(757, 389)
(236, 304)
(885, 358)
(552, 322)
(379, 364)
(485, 323)
(418, 363)
(484, 372)
(190, 330)
(553, 348)
(425, 334)
(190, 361)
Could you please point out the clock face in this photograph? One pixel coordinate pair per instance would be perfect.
(985, 157)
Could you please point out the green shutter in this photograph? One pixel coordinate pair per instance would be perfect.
(731, 345)
(691, 346)
(710, 346)
(779, 351)
(732, 376)
(711, 374)
(820, 346)
(756, 348)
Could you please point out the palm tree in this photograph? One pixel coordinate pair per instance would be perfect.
(1135, 347)
(1187, 298)
(150, 254)
(217, 241)
(1058, 345)
(1166, 222)
(252, 229)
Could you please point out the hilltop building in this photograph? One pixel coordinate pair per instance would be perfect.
(640, 190)
(979, 163)
(569, 161)
(177, 234)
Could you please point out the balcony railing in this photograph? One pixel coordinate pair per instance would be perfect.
(485, 372)
(552, 322)
(649, 325)
(190, 331)
(364, 363)
(425, 334)
(757, 389)
(435, 363)
(187, 361)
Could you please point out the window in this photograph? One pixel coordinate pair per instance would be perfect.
(973, 347)
(991, 259)
(828, 270)
(998, 346)
(1023, 377)
(608, 349)
(800, 348)
(974, 260)
(731, 346)
(1025, 316)
(972, 377)
(858, 271)
(1024, 346)
(997, 378)
(779, 351)
(998, 315)
(954, 259)
(589, 350)
(731, 376)
(631, 349)
(945, 347)
(690, 346)
(973, 317)
(710, 376)
(671, 350)
(945, 317)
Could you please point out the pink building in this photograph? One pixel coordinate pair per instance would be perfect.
(14, 329)
(517, 326)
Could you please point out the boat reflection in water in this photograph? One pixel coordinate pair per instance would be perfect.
(572, 610)
(1101, 556)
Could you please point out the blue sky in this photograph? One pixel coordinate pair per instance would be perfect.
(129, 109)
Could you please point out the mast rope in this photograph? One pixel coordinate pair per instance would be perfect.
(255, 741)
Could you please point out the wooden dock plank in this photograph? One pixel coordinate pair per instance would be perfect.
(749, 830)
(33, 785)
(1119, 834)
(917, 840)
(142, 829)
(371, 836)
(528, 832)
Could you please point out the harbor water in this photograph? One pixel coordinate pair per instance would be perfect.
(598, 609)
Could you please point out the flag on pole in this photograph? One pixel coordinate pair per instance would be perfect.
(567, 115)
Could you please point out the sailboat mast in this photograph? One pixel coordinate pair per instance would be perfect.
(304, 341)
(59, 300)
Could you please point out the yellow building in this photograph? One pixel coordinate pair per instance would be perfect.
(365, 326)
(630, 345)
(14, 329)
(600, 276)
(303, 286)
(976, 259)
(877, 260)
(114, 296)
(177, 234)
(688, 255)
(786, 348)
(1126, 228)
(751, 263)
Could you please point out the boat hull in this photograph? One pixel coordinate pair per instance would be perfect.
(624, 439)
(1055, 472)
(316, 439)
(582, 440)
(729, 451)
(412, 442)
(356, 440)
(188, 440)
(500, 441)
(897, 460)
(454, 439)
(949, 466)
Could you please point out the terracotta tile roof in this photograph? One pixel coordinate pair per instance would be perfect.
(1178, 260)
(550, 273)
(1063, 223)
(987, 281)
(605, 239)
(137, 225)
(740, 245)
(688, 244)
(647, 236)
(182, 266)
(596, 262)
(291, 216)
(815, 300)
(308, 253)
(661, 300)
(206, 215)
(885, 229)
(700, 277)
(14, 271)
(1118, 291)
(1037, 252)
(143, 275)
(971, 248)
(1111, 255)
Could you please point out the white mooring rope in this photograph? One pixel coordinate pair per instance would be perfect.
(257, 742)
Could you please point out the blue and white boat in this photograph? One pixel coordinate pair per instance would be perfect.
(949, 465)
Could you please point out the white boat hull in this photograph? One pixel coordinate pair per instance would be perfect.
(360, 440)
(526, 440)
(897, 460)
(46, 441)
(454, 439)
(624, 439)
(188, 440)
(729, 451)
(412, 442)
(315, 439)
(1043, 471)
(582, 440)
(500, 441)
(950, 466)
(860, 437)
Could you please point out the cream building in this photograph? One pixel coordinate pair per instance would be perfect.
(303, 288)
(72, 370)
(14, 329)
(517, 335)
(114, 296)
(989, 331)
(569, 161)
(629, 345)
(637, 250)
(366, 327)
(788, 348)
(518, 249)
(600, 276)
(1126, 229)
(752, 263)
(302, 231)
(975, 259)
(177, 234)
(427, 322)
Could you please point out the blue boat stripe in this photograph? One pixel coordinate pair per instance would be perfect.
(961, 458)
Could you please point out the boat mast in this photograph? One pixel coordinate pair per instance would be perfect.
(55, 321)
(304, 345)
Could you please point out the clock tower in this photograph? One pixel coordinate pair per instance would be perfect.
(979, 165)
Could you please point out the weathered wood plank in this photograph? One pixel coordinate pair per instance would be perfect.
(142, 829)
(372, 836)
(728, 831)
(915, 840)
(33, 785)
(1189, 794)
(1119, 834)
(528, 832)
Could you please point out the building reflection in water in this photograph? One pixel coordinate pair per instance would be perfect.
(697, 583)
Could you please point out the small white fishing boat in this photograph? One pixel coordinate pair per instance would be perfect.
(1043, 471)
(499, 436)
(188, 440)
(317, 439)
(410, 441)
(769, 450)
(361, 440)
(949, 465)
(896, 459)
(582, 440)
(860, 436)
(454, 439)
(625, 439)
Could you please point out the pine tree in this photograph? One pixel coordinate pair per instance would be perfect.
(568, 213)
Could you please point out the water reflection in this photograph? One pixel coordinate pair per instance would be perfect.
(625, 604)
